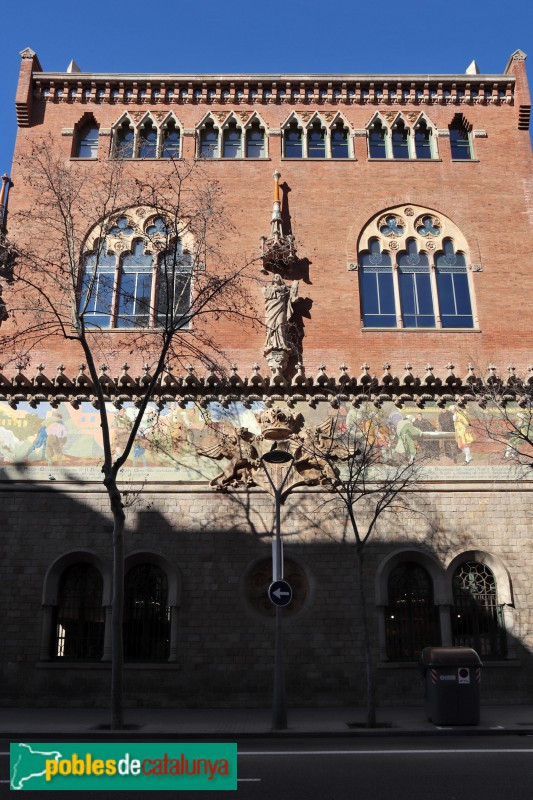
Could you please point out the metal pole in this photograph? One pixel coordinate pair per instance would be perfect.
(279, 696)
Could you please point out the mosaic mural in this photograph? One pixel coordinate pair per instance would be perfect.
(183, 443)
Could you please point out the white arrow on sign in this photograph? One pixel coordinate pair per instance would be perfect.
(279, 594)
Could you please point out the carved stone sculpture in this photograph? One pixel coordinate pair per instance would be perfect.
(279, 307)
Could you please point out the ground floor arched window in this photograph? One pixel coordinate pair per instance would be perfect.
(411, 618)
(477, 616)
(146, 614)
(79, 619)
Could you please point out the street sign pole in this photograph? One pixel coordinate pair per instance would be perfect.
(279, 699)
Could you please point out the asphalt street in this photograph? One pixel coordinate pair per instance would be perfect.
(401, 768)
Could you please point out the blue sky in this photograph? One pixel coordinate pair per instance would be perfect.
(346, 36)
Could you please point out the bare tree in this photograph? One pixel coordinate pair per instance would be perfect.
(365, 478)
(63, 288)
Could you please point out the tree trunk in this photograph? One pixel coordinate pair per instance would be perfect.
(117, 611)
(369, 660)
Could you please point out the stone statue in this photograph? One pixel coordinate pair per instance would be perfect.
(279, 306)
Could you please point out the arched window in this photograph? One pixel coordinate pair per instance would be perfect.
(316, 141)
(400, 140)
(232, 141)
(78, 629)
(412, 621)
(146, 614)
(477, 617)
(124, 136)
(87, 141)
(454, 292)
(209, 141)
(377, 146)
(146, 283)
(292, 140)
(414, 271)
(339, 141)
(147, 140)
(423, 140)
(460, 141)
(415, 288)
(255, 141)
(170, 140)
(377, 290)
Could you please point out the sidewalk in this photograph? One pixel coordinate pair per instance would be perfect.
(240, 723)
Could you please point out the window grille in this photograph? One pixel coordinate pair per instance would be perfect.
(78, 632)
(146, 614)
(477, 617)
(412, 621)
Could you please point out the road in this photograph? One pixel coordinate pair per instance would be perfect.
(362, 768)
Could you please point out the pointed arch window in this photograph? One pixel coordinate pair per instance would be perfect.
(316, 141)
(412, 620)
(146, 614)
(232, 141)
(377, 140)
(477, 617)
(460, 140)
(87, 140)
(423, 140)
(377, 288)
(339, 141)
(209, 141)
(415, 288)
(143, 287)
(78, 632)
(124, 138)
(170, 140)
(453, 288)
(400, 140)
(147, 140)
(293, 141)
(255, 141)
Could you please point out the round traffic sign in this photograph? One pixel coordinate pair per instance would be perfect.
(280, 593)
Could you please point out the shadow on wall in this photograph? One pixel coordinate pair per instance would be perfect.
(199, 632)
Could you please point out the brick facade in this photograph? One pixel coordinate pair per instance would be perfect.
(221, 653)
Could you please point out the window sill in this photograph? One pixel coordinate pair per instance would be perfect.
(512, 662)
(82, 158)
(421, 330)
(465, 160)
(407, 160)
(99, 665)
(135, 330)
(229, 160)
(321, 160)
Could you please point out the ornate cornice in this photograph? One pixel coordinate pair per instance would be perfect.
(446, 385)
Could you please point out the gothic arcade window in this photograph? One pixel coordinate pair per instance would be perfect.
(412, 620)
(141, 278)
(148, 140)
(460, 140)
(400, 140)
(423, 140)
(86, 141)
(339, 141)
(377, 147)
(146, 614)
(316, 141)
(209, 141)
(412, 275)
(232, 141)
(255, 141)
(78, 629)
(477, 617)
(293, 141)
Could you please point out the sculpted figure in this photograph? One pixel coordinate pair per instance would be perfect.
(279, 305)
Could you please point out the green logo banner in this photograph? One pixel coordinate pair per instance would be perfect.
(130, 767)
